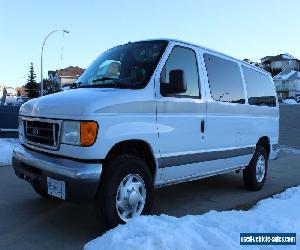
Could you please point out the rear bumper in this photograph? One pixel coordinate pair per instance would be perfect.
(81, 178)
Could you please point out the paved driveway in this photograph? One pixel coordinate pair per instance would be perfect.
(30, 222)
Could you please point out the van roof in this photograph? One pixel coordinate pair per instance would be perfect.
(211, 50)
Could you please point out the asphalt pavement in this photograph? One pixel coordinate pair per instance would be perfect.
(28, 221)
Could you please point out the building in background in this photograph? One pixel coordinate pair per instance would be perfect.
(276, 64)
(287, 83)
(65, 77)
(11, 92)
(285, 70)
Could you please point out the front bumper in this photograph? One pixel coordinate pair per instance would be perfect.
(81, 178)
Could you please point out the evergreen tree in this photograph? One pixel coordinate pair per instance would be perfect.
(32, 87)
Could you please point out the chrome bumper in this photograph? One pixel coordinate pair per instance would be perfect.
(64, 167)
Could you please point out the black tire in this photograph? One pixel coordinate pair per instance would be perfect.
(116, 170)
(41, 191)
(249, 174)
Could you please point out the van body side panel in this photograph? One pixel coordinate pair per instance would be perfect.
(232, 131)
(247, 123)
(264, 121)
(263, 108)
(225, 123)
(131, 120)
(244, 122)
(138, 126)
(179, 122)
(189, 172)
(219, 150)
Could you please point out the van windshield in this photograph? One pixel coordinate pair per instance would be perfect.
(126, 66)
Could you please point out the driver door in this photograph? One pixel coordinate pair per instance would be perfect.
(181, 118)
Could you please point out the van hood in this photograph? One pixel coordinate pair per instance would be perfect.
(84, 102)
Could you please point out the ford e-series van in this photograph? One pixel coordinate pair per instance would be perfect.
(145, 115)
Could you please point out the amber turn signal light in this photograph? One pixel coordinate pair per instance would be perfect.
(88, 133)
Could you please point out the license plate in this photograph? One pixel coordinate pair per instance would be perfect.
(56, 188)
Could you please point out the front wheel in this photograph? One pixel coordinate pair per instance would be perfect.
(126, 191)
(41, 191)
(255, 174)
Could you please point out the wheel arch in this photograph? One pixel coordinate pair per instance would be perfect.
(265, 142)
(135, 147)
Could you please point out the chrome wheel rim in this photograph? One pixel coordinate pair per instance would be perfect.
(260, 168)
(131, 197)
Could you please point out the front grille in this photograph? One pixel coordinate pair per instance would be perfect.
(42, 133)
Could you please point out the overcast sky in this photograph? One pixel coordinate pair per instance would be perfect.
(243, 29)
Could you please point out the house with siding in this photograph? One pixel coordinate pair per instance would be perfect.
(65, 77)
(276, 64)
(287, 83)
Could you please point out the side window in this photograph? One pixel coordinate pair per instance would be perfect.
(225, 80)
(260, 88)
(183, 59)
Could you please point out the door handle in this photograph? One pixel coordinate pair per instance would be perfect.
(202, 126)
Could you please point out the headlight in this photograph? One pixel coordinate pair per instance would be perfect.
(79, 133)
(21, 126)
(71, 133)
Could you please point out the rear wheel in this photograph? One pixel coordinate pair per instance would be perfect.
(126, 191)
(255, 174)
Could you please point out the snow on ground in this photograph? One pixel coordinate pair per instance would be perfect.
(6, 147)
(213, 230)
(289, 149)
(289, 101)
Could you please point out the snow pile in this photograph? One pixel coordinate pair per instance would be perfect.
(213, 230)
(289, 101)
(6, 148)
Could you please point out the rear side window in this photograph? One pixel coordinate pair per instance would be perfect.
(260, 88)
(184, 59)
(225, 80)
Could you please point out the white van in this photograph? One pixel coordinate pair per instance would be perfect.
(145, 115)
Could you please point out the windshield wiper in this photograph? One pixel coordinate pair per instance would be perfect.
(76, 85)
(116, 83)
(111, 85)
(105, 78)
